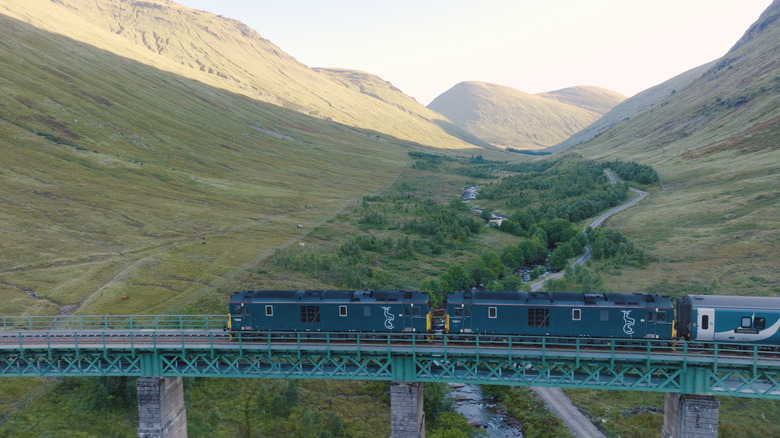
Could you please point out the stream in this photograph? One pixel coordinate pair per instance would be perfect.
(483, 412)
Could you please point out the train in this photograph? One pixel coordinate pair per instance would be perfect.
(720, 318)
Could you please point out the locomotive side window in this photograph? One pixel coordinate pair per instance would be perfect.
(366, 310)
(247, 310)
(705, 322)
(269, 310)
(576, 314)
(416, 311)
(746, 322)
(342, 310)
(407, 311)
(538, 317)
(467, 312)
(310, 314)
(650, 316)
(759, 323)
(492, 312)
(605, 315)
(661, 316)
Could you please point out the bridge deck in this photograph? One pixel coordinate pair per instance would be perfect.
(197, 346)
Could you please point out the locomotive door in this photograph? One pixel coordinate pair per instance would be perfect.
(705, 324)
(246, 320)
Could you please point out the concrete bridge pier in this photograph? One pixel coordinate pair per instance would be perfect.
(407, 419)
(161, 410)
(690, 416)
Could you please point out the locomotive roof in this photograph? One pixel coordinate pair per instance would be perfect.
(558, 298)
(333, 296)
(736, 302)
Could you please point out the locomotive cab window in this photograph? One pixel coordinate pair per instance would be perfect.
(247, 310)
(407, 311)
(576, 314)
(661, 316)
(342, 310)
(492, 312)
(416, 311)
(467, 312)
(458, 311)
(747, 322)
(650, 316)
(759, 323)
(269, 310)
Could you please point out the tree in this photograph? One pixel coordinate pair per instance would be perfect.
(456, 278)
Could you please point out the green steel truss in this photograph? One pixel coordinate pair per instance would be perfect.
(642, 365)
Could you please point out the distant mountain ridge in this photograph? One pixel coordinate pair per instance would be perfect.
(510, 118)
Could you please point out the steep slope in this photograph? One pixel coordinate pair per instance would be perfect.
(120, 179)
(510, 118)
(227, 54)
(714, 144)
(626, 109)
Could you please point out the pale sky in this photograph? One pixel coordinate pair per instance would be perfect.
(424, 47)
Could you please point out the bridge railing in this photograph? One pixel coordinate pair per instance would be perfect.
(113, 322)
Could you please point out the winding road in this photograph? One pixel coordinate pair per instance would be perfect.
(554, 398)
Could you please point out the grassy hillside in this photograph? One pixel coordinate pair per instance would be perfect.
(227, 54)
(713, 223)
(628, 108)
(510, 118)
(120, 179)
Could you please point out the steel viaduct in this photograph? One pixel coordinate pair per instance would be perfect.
(160, 350)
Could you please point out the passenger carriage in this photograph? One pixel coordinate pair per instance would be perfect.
(723, 318)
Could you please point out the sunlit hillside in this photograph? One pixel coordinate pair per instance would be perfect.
(510, 118)
(227, 54)
(714, 142)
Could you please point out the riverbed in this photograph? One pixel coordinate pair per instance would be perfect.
(484, 412)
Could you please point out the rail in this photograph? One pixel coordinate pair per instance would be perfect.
(113, 322)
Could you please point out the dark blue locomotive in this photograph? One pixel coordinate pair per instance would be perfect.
(329, 311)
(562, 314)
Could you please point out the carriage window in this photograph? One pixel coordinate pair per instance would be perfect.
(366, 310)
(539, 317)
(705, 322)
(310, 314)
(650, 316)
(746, 322)
(492, 312)
(269, 310)
(605, 315)
(342, 310)
(759, 323)
(576, 314)
(661, 316)
(458, 311)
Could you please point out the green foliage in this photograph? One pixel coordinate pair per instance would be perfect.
(632, 171)
(569, 188)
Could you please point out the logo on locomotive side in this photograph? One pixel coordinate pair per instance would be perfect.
(628, 327)
(389, 317)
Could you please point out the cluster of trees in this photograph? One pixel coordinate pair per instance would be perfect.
(632, 171)
(569, 188)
